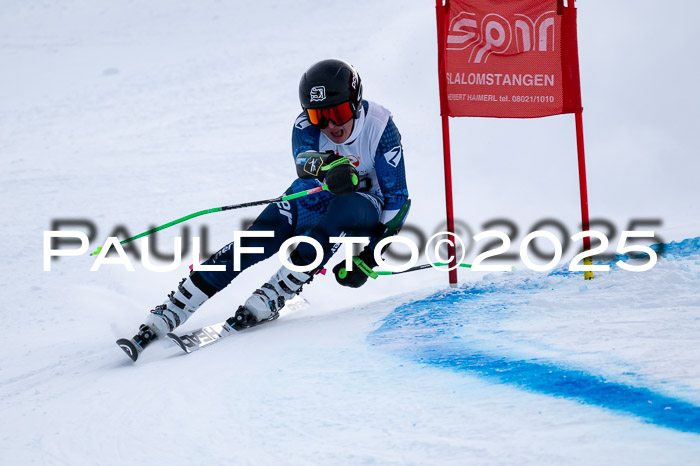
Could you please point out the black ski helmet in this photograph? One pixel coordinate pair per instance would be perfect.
(330, 82)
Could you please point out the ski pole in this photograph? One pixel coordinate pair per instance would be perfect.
(221, 209)
(427, 266)
(422, 267)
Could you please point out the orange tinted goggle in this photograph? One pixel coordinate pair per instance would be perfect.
(340, 114)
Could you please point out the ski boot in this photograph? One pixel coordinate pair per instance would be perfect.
(191, 293)
(266, 302)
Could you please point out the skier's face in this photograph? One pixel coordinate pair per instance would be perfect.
(338, 134)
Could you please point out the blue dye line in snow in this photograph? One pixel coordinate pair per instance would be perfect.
(423, 330)
(552, 380)
(673, 250)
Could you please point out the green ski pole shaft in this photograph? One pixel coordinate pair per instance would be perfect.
(427, 266)
(422, 267)
(221, 209)
(270, 201)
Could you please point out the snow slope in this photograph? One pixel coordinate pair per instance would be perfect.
(135, 113)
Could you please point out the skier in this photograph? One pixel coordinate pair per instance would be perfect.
(340, 140)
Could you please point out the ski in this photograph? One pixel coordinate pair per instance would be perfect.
(134, 346)
(202, 337)
(210, 334)
(130, 347)
(194, 340)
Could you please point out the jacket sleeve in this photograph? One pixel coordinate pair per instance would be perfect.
(305, 136)
(391, 174)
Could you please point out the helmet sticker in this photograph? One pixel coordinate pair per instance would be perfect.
(354, 80)
(318, 93)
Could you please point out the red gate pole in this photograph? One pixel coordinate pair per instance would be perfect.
(451, 249)
(585, 223)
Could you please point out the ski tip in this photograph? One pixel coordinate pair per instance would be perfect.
(178, 341)
(128, 347)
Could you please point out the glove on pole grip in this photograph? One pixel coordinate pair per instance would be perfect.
(341, 176)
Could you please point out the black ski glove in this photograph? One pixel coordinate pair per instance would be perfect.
(361, 270)
(341, 176)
